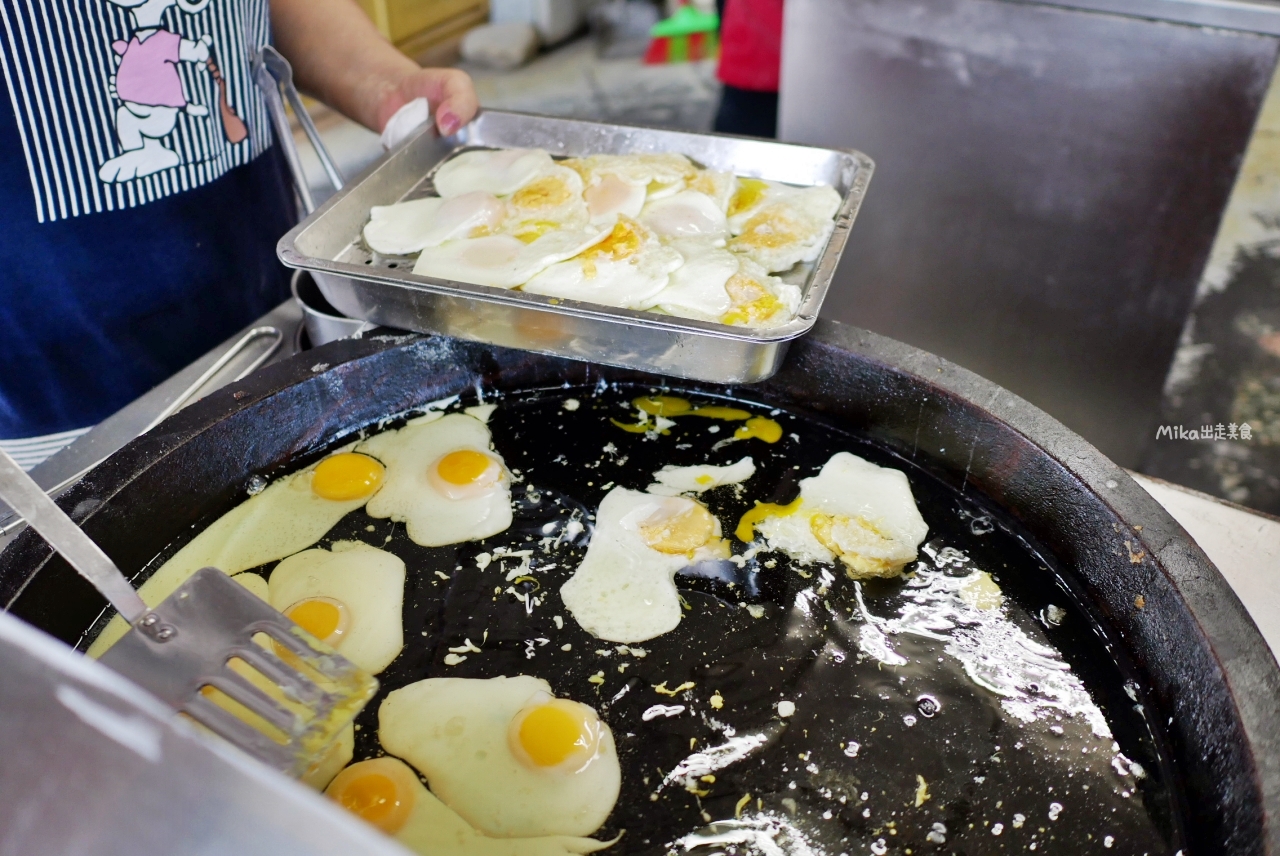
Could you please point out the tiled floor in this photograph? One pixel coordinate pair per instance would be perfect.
(570, 81)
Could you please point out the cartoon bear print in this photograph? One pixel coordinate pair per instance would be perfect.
(150, 91)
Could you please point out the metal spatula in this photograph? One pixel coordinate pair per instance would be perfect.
(187, 644)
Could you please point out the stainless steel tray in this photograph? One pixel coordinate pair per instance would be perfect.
(382, 289)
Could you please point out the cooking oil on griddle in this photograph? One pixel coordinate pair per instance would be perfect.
(793, 710)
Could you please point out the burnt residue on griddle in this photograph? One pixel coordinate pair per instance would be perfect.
(912, 726)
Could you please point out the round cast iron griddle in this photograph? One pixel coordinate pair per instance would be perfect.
(1135, 574)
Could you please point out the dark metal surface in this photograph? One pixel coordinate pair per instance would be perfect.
(1049, 182)
(1207, 670)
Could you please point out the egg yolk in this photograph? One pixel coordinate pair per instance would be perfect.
(346, 476)
(760, 428)
(747, 525)
(465, 466)
(379, 792)
(683, 531)
(623, 242)
(551, 733)
(750, 192)
(322, 617)
(546, 192)
(662, 405)
(715, 411)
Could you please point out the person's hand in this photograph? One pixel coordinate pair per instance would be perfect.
(450, 93)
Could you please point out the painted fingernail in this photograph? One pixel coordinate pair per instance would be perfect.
(448, 122)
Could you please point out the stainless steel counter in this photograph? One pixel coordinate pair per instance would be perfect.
(1049, 180)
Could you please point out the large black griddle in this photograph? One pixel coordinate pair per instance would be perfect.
(1130, 571)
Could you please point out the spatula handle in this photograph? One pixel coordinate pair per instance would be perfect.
(25, 497)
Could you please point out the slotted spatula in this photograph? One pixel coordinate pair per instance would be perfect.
(187, 643)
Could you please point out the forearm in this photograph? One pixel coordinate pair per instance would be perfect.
(340, 57)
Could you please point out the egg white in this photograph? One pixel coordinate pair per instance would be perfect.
(505, 261)
(687, 214)
(877, 526)
(626, 274)
(672, 481)
(497, 171)
(409, 227)
(720, 186)
(369, 582)
(284, 518)
(455, 732)
(696, 289)
(407, 495)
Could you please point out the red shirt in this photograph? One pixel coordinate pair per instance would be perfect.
(751, 44)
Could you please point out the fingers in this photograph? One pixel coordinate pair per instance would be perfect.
(452, 96)
(460, 104)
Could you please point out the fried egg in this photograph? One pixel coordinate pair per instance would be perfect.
(627, 269)
(696, 289)
(753, 195)
(497, 171)
(511, 759)
(853, 510)
(443, 481)
(551, 200)
(777, 225)
(757, 299)
(351, 599)
(660, 173)
(727, 288)
(624, 589)
(409, 227)
(672, 481)
(387, 793)
(687, 214)
(506, 261)
(291, 514)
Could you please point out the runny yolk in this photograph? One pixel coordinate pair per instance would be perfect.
(346, 476)
(747, 525)
(716, 411)
(550, 733)
(370, 790)
(662, 405)
(465, 466)
(760, 427)
(322, 617)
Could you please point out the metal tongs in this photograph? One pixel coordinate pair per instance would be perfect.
(272, 73)
(189, 642)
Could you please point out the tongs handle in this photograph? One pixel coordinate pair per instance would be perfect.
(273, 73)
(24, 496)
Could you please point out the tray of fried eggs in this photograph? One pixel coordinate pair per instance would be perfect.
(715, 241)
